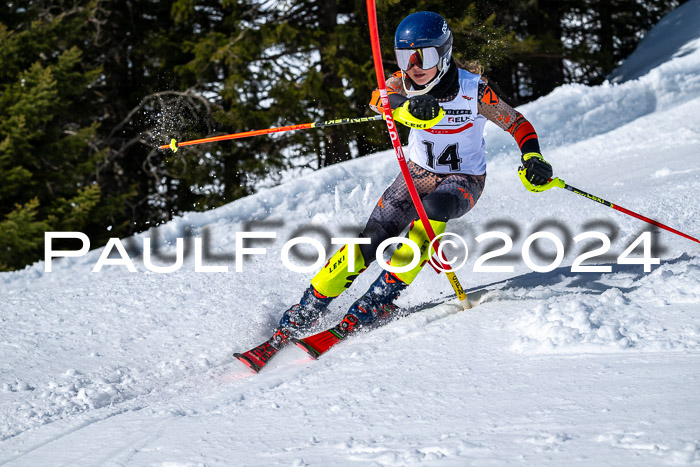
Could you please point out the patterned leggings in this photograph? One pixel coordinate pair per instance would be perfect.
(444, 196)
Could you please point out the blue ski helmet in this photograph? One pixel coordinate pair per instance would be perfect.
(424, 39)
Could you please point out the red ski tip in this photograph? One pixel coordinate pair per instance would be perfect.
(247, 362)
(306, 348)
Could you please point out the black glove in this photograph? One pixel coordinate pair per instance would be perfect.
(423, 107)
(537, 170)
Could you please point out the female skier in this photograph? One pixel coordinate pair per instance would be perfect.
(446, 162)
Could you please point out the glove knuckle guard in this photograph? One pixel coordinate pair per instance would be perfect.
(537, 170)
(424, 107)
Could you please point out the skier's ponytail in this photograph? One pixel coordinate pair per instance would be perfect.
(472, 66)
(475, 67)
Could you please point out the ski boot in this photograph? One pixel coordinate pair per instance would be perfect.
(300, 317)
(373, 307)
(377, 304)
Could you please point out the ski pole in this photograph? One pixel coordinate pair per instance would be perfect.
(559, 183)
(340, 121)
(391, 126)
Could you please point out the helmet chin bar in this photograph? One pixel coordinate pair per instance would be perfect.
(443, 69)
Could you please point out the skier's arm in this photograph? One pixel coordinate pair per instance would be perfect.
(537, 170)
(396, 94)
(508, 119)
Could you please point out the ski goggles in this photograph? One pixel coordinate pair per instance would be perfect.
(425, 58)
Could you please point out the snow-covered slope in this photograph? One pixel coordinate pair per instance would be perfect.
(584, 368)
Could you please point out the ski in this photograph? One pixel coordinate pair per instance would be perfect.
(257, 357)
(318, 344)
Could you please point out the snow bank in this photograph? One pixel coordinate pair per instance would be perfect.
(676, 35)
(615, 312)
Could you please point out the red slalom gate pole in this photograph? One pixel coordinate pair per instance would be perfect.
(391, 126)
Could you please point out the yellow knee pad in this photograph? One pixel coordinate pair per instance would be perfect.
(335, 276)
(404, 254)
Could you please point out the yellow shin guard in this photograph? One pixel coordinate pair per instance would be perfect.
(335, 276)
(404, 254)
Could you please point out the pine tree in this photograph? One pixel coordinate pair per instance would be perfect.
(46, 159)
(293, 63)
